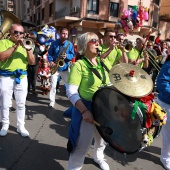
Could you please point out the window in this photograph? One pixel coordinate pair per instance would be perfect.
(93, 7)
(51, 10)
(157, 2)
(43, 14)
(114, 8)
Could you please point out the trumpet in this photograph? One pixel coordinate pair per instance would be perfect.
(28, 43)
(154, 59)
(127, 47)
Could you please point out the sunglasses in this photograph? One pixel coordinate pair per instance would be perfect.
(112, 36)
(93, 41)
(17, 32)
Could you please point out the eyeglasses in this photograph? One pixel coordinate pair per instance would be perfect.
(93, 41)
(17, 32)
(112, 36)
(149, 45)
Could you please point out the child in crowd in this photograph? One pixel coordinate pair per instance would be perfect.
(45, 77)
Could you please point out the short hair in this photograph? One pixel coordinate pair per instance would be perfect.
(82, 41)
(15, 24)
(109, 30)
(63, 29)
(150, 43)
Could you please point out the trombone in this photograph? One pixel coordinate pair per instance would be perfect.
(153, 59)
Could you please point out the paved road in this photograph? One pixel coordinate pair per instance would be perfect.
(45, 149)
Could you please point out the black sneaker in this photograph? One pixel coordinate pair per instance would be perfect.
(12, 109)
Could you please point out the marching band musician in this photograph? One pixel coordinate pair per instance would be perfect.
(53, 53)
(14, 59)
(137, 58)
(109, 49)
(82, 84)
(151, 69)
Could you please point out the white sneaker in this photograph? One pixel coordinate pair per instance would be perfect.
(103, 165)
(23, 131)
(4, 130)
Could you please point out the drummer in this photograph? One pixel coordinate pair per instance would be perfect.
(135, 57)
(82, 84)
(109, 49)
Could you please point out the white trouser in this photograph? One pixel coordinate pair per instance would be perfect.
(87, 133)
(54, 78)
(7, 86)
(165, 151)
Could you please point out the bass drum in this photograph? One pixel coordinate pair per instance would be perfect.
(113, 109)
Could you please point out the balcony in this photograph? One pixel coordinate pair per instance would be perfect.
(62, 13)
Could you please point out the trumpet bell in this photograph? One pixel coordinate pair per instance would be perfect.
(9, 19)
(125, 47)
(28, 43)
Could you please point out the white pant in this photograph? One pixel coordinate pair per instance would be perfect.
(7, 86)
(87, 133)
(54, 78)
(165, 151)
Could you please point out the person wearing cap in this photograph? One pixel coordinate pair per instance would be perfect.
(33, 69)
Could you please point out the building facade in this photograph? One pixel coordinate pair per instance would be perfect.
(84, 15)
(164, 25)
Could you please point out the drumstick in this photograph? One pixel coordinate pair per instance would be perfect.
(107, 130)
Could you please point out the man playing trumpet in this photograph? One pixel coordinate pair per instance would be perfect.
(109, 49)
(14, 59)
(136, 56)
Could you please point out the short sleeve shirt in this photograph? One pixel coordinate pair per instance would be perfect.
(18, 60)
(114, 55)
(81, 75)
(133, 55)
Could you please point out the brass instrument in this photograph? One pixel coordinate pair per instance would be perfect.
(154, 59)
(125, 46)
(28, 43)
(9, 19)
(60, 60)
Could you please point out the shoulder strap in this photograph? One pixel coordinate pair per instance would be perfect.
(93, 69)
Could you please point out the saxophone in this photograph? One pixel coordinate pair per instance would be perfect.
(60, 60)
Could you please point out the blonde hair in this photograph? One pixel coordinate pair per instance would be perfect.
(82, 41)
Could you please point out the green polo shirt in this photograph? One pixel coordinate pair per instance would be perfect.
(133, 55)
(81, 75)
(18, 60)
(114, 55)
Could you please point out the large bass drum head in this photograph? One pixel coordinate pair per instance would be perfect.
(112, 109)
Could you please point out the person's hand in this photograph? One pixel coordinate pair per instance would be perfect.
(87, 116)
(18, 42)
(112, 45)
(52, 64)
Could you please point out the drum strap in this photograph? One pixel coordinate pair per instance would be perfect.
(95, 71)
